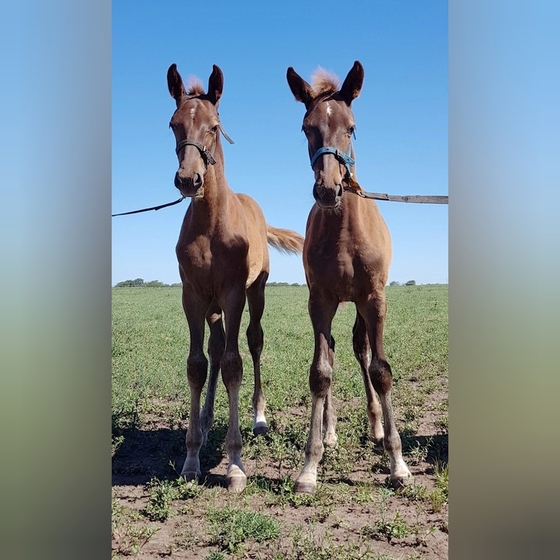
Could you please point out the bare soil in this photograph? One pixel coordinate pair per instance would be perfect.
(340, 523)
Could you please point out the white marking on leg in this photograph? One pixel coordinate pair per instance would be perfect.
(399, 470)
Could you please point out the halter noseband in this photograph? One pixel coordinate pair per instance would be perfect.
(206, 155)
(342, 157)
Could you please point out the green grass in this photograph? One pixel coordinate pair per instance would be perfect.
(150, 343)
(230, 526)
(150, 399)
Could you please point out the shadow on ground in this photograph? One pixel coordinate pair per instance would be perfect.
(142, 455)
(146, 454)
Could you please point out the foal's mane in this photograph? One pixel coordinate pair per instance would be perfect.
(324, 82)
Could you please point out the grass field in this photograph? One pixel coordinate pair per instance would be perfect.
(354, 514)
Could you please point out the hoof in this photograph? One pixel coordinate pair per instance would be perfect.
(236, 484)
(305, 487)
(189, 476)
(236, 479)
(260, 429)
(331, 441)
(399, 482)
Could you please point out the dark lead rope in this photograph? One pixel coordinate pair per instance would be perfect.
(152, 208)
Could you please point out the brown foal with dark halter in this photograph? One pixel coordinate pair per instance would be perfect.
(223, 261)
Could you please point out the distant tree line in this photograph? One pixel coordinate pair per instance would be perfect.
(139, 282)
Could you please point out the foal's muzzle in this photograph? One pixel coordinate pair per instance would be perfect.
(191, 186)
(328, 189)
(327, 197)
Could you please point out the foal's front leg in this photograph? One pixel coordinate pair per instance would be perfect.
(320, 380)
(197, 366)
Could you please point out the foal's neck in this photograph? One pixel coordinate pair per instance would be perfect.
(212, 207)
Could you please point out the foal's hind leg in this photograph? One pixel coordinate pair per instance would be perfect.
(329, 414)
(216, 344)
(381, 377)
(255, 338)
(232, 374)
(320, 379)
(362, 351)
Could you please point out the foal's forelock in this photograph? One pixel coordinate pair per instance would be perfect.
(324, 82)
(195, 86)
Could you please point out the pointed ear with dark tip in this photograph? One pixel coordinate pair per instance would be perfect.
(353, 83)
(175, 84)
(300, 88)
(215, 85)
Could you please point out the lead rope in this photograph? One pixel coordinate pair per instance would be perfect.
(355, 188)
(152, 208)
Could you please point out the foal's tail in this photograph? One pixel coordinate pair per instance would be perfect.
(284, 240)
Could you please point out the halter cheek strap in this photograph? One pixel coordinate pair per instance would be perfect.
(343, 157)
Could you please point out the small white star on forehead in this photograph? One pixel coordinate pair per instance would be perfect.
(329, 110)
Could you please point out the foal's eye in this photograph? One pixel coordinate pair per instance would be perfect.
(352, 131)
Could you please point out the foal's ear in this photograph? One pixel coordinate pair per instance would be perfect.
(353, 83)
(300, 88)
(215, 85)
(175, 84)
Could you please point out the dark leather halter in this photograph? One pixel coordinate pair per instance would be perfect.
(206, 155)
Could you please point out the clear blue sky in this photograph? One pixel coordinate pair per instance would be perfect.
(401, 116)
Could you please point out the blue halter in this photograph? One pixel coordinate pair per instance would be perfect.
(344, 158)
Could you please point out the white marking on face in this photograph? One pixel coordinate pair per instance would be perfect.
(329, 110)
(193, 112)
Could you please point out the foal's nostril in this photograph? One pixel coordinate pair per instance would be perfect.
(197, 180)
(339, 191)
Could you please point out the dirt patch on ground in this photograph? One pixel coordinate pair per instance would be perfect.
(353, 515)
